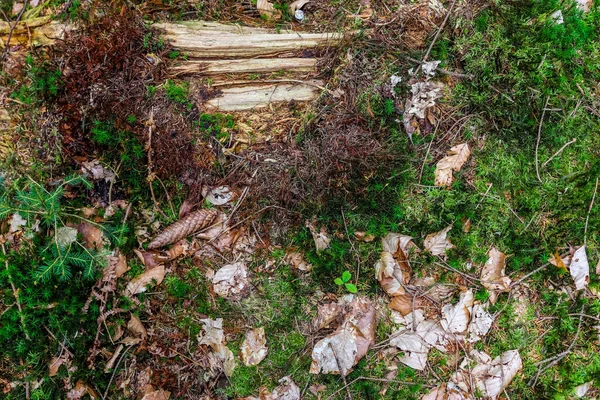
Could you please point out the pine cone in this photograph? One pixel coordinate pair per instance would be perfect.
(184, 227)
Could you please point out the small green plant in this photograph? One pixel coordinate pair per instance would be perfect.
(344, 280)
(43, 82)
(177, 93)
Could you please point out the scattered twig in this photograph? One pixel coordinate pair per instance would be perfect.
(437, 34)
(464, 275)
(342, 373)
(556, 359)
(558, 152)
(518, 282)
(587, 218)
(115, 371)
(12, 28)
(537, 144)
(15, 293)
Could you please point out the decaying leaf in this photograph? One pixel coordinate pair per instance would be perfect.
(455, 318)
(287, 390)
(424, 95)
(65, 236)
(580, 267)
(184, 227)
(415, 350)
(296, 260)
(120, 263)
(297, 5)
(80, 390)
(493, 378)
(390, 275)
(340, 351)
(321, 238)
(480, 324)
(254, 349)
(17, 222)
(456, 158)
(214, 337)
(560, 261)
(97, 171)
(136, 327)
(220, 195)
(139, 283)
(582, 389)
(267, 10)
(56, 362)
(417, 338)
(326, 314)
(493, 275)
(93, 237)
(231, 281)
(437, 243)
(402, 303)
(155, 394)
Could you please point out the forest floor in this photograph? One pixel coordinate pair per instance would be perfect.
(427, 226)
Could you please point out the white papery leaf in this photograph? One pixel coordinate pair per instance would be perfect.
(455, 318)
(437, 243)
(580, 268)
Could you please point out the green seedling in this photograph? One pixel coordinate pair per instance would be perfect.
(344, 280)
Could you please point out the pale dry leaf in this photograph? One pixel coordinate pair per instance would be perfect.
(580, 268)
(231, 281)
(214, 337)
(437, 243)
(493, 274)
(296, 260)
(415, 350)
(453, 162)
(424, 95)
(321, 239)
(65, 236)
(267, 10)
(582, 389)
(220, 195)
(136, 327)
(394, 242)
(286, 390)
(254, 348)
(326, 314)
(113, 359)
(16, 223)
(390, 275)
(455, 318)
(97, 171)
(492, 379)
(120, 262)
(430, 67)
(139, 283)
(584, 5)
(433, 334)
(155, 394)
(481, 323)
(340, 351)
(296, 5)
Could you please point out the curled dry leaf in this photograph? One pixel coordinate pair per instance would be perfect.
(321, 238)
(340, 351)
(254, 349)
(287, 390)
(493, 274)
(456, 158)
(417, 338)
(139, 283)
(390, 275)
(97, 171)
(231, 281)
(297, 5)
(267, 10)
(402, 303)
(326, 314)
(17, 222)
(480, 324)
(220, 195)
(579, 267)
(136, 327)
(296, 260)
(493, 378)
(437, 243)
(214, 337)
(455, 318)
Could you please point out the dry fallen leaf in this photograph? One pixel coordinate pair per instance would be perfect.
(136, 327)
(493, 378)
(481, 322)
(417, 338)
(320, 237)
(231, 281)
(493, 274)
(92, 235)
(113, 359)
(56, 362)
(455, 318)
(65, 236)
(220, 195)
(214, 337)
(97, 171)
(559, 261)
(340, 351)
(139, 283)
(267, 10)
(402, 303)
(296, 260)
(390, 275)
(437, 243)
(155, 394)
(454, 161)
(326, 314)
(296, 5)
(16, 223)
(580, 268)
(287, 390)
(254, 349)
(364, 237)
(120, 262)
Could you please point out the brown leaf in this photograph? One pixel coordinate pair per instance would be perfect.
(267, 10)
(296, 260)
(322, 240)
(139, 283)
(558, 261)
(153, 394)
(454, 161)
(364, 237)
(326, 314)
(437, 243)
(57, 362)
(390, 275)
(93, 238)
(231, 281)
(466, 227)
(340, 351)
(402, 303)
(136, 327)
(493, 276)
(254, 349)
(120, 262)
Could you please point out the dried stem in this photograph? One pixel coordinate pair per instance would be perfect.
(587, 218)
(537, 144)
(558, 152)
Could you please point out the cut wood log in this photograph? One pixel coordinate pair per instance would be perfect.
(244, 66)
(253, 96)
(33, 32)
(247, 42)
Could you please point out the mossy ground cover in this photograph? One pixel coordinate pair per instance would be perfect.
(533, 88)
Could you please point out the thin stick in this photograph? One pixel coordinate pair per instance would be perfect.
(528, 275)
(15, 293)
(537, 144)
(12, 28)
(437, 34)
(342, 373)
(587, 219)
(428, 150)
(114, 371)
(558, 152)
